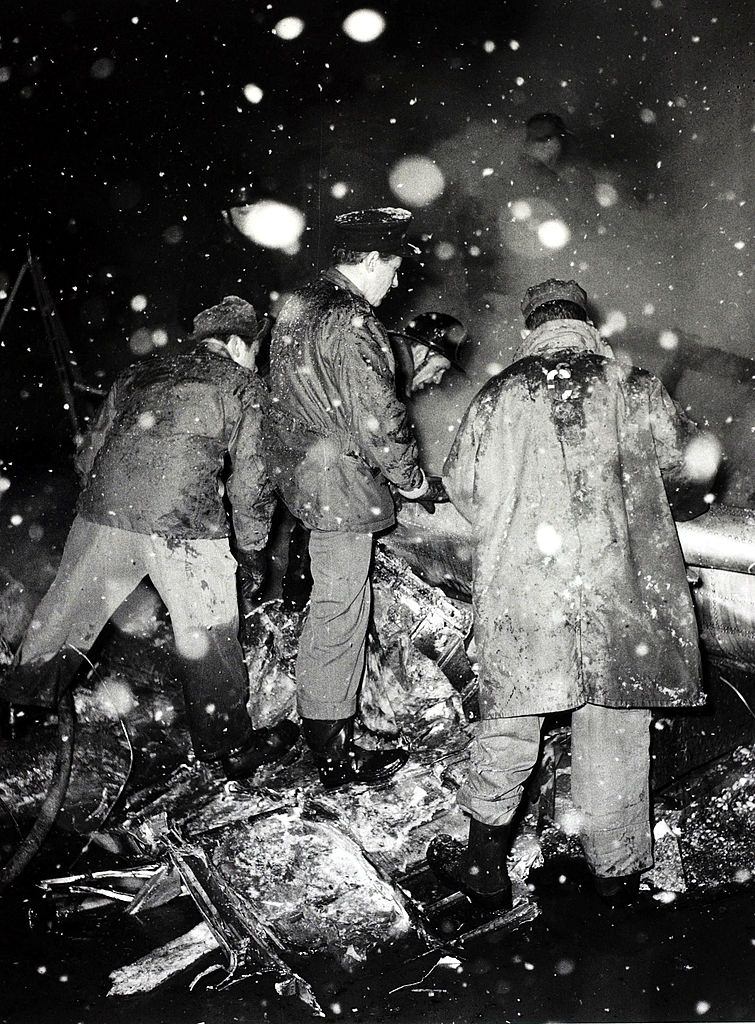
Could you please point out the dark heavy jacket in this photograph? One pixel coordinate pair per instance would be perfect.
(174, 434)
(337, 434)
(579, 585)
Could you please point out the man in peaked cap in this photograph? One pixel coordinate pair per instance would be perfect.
(338, 438)
(177, 436)
(562, 465)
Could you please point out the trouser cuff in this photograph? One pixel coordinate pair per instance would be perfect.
(621, 850)
(489, 812)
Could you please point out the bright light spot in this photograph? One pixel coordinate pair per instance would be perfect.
(647, 116)
(642, 650)
(271, 224)
(210, 709)
(548, 539)
(571, 822)
(487, 171)
(139, 303)
(102, 68)
(742, 876)
(5, 74)
(4, 484)
(615, 322)
(193, 645)
(564, 966)
(372, 423)
(140, 341)
(416, 180)
(519, 80)
(668, 340)
(702, 458)
(493, 369)
(364, 25)
(553, 234)
(513, 44)
(340, 190)
(739, 245)
(488, 46)
(289, 28)
(114, 698)
(648, 309)
(521, 210)
(253, 93)
(701, 1007)
(147, 420)
(606, 195)
(664, 897)
(16, 519)
(159, 337)
(444, 251)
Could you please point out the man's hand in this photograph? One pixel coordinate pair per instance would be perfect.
(427, 496)
(436, 494)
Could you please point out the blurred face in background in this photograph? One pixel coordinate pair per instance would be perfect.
(429, 367)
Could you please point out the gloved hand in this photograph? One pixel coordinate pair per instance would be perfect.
(250, 573)
(436, 494)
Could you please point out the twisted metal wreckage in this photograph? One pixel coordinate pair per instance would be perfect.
(281, 870)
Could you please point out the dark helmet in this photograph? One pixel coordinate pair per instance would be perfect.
(440, 332)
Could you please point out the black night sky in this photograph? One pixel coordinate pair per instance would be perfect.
(125, 126)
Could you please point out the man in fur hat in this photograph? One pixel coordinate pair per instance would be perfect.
(176, 442)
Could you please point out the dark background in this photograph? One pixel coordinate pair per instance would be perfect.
(124, 125)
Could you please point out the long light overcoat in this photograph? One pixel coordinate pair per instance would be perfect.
(580, 591)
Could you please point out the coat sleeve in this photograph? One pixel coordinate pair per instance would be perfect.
(460, 467)
(672, 432)
(378, 418)
(248, 486)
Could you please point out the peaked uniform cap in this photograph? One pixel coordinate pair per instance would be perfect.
(553, 290)
(380, 230)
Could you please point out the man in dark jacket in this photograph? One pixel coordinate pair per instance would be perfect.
(338, 437)
(580, 591)
(176, 435)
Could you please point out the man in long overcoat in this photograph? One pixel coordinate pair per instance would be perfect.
(177, 439)
(562, 466)
(338, 436)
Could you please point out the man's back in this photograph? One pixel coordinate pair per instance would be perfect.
(158, 449)
(560, 468)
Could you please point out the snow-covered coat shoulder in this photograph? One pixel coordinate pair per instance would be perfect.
(175, 435)
(580, 589)
(337, 433)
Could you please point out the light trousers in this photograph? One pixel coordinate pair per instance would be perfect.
(196, 579)
(610, 780)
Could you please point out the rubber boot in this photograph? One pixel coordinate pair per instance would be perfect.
(619, 890)
(264, 746)
(339, 762)
(480, 871)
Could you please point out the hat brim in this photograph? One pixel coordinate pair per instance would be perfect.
(405, 250)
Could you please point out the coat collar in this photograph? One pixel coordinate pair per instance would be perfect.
(341, 281)
(557, 335)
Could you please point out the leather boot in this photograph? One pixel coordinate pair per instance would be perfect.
(480, 871)
(340, 762)
(264, 746)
